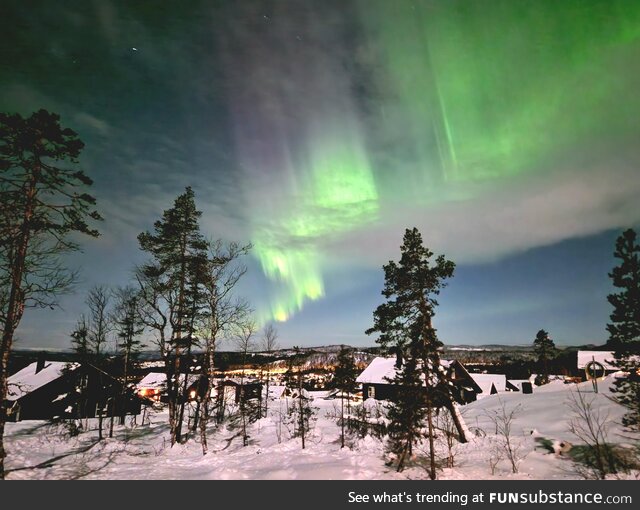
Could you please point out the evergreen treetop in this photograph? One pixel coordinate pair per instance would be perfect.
(624, 328)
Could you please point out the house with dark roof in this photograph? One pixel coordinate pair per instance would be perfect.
(378, 380)
(46, 390)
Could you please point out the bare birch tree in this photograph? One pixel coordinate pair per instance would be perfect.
(99, 327)
(224, 312)
(244, 342)
(269, 345)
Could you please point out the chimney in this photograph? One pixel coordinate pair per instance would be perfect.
(40, 363)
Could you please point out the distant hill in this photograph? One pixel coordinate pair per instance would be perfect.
(321, 356)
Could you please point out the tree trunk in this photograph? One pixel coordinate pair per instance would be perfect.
(182, 395)
(242, 401)
(100, 425)
(183, 400)
(123, 393)
(15, 305)
(457, 421)
(342, 420)
(112, 419)
(173, 381)
(3, 409)
(432, 453)
(175, 417)
(403, 456)
(301, 409)
(266, 398)
(203, 424)
(196, 417)
(206, 399)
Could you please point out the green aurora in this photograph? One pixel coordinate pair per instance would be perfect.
(464, 92)
(339, 195)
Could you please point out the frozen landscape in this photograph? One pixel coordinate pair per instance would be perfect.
(41, 450)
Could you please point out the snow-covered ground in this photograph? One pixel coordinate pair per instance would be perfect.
(40, 450)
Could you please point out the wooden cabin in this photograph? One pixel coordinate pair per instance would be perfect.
(377, 380)
(46, 390)
(238, 390)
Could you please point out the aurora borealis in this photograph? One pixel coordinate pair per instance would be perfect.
(449, 74)
(318, 131)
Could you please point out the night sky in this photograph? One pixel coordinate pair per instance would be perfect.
(507, 131)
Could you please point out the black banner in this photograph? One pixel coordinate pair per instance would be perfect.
(321, 494)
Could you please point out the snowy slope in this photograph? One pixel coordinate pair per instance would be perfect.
(37, 450)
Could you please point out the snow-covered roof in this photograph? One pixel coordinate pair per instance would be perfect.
(602, 357)
(486, 380)
(305, 394)
(158, 380)
(276, 391)
(27, 380)
(154, 381)
(241, 381)
(381, 370)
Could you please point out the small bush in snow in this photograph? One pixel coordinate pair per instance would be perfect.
(510, 445)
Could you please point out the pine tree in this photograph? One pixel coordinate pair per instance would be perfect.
(42, 202)
(411, 287)
(345, 376)
(178, 251)
(624, 328)
(545, 350)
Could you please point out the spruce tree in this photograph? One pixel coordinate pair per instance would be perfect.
(624, 328)
(545, 350)
(405, 319)
(407, 413)
(80, 341)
